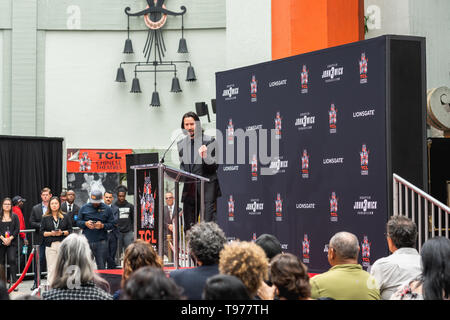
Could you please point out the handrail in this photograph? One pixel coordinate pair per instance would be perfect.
(422, 193)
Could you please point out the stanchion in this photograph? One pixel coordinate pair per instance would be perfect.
(24, 272)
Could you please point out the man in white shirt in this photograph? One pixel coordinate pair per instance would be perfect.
(404, 264)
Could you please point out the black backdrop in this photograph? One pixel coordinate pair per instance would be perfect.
(27, 164)
(359, 81)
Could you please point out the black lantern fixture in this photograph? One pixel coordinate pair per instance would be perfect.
(182, 45)
(155, 16)
(120, 76)
(175, 84)
(128, 45)
(135, 86)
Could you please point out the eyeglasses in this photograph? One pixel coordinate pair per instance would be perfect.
(167, 198)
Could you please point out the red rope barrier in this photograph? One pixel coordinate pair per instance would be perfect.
(30, 258)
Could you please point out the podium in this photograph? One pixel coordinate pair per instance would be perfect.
(150, 202)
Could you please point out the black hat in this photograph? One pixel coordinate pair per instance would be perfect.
(17, 199)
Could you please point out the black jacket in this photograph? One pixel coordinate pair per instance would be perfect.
(12, 227)
(73, 214)
(35, 222)
(203, 167)
(47, 225)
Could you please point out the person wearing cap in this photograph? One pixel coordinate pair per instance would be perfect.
(95, 218)
(18, 203)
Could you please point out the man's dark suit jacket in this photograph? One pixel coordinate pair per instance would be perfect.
(75, 209)
(35, 223)
(203, 167)
(193, 280)
(167, 221)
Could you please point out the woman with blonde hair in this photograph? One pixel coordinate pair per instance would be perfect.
(138, 254)
(74, 276)
(55, 226)
(247, 261)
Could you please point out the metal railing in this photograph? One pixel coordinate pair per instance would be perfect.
(430, 215)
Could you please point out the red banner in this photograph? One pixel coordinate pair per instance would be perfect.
(97, 160)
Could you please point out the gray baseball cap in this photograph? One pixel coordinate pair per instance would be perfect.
(96, 196)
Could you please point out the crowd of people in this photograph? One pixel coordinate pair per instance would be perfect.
(236, 270)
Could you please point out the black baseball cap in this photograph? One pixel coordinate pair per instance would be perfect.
(17, 199)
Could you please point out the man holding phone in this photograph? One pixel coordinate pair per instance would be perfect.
(95, 218)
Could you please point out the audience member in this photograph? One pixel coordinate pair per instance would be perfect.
(113, 234)
(346, 280)
(55, 226)
(9, 233)
(205, 241)
(434, 282)
(70, 207)
(125, 222)
(225, 287)
(289, 277)
(270, 245)
(74, 277)
(150, 283)
(247, 261)
(95, 218)
(137, 255)
(35, 222)
(404, 262)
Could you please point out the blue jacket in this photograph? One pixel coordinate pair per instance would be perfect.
(102, 213)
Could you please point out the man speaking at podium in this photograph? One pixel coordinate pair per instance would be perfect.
(198, 156)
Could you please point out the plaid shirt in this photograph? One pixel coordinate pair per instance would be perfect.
(87, 291)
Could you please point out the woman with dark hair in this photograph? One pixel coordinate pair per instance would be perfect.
(434, 283)
(9, 232)
(290, 277)
(55, 226)
(225, 287)
(150, 283)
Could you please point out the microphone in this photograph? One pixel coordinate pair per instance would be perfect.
(162, 159)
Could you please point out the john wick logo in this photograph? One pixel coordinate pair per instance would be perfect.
(278, 166)
(147, 205)
(365, 206)
(305, 122)
(278, 208)
(364, 155)
(254, 168)
(230, 92)
(253, 89)
(230, 132)
(332, 73)
(254, 207)
(332, 118)
(305, 164)
(334, 207)
(231, 208)
(365, 248)
(305, 248)
(304, 80)
(363, 68)
(278, 125)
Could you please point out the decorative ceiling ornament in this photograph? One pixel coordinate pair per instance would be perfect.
(155, 17)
